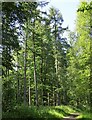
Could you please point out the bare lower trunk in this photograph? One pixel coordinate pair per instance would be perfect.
(25, 77)
(29, 96)
(48, 99)
(35, 81)
(18, 82)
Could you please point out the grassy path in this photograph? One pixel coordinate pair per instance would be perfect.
(72, 116)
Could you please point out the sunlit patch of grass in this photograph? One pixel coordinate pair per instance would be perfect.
(66, 110)
(80, 116)
(86, 116)
(56, 114)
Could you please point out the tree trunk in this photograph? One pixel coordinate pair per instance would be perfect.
(25, 61)
(35, 75)
(35, 81)
(29, 94)
(48, 99)
(56, 65)
(18, 84)
(41, 69)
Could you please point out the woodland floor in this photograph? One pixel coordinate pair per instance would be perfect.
(46, 113)
(72, 116)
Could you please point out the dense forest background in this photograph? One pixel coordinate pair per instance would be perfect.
(40, 67)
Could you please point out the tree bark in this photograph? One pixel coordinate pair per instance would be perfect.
(18, 84)
(25, 61)
(29, 94)
(35, 74)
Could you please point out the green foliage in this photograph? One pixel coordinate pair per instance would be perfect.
(47, 113)
(38, 112)
(79, 54)
(85, 116)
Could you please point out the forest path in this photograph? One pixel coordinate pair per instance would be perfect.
(72, 116)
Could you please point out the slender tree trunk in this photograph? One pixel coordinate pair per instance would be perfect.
(54, 96)
(35, 74)
(44, 91)
(58, 96)
(25, 76)
(48, 99)
(29, 94)
(42, 78)
(35, 81)
(41, 69)
(25, 61)
(45, 102)
(18, 84)
(56, 64)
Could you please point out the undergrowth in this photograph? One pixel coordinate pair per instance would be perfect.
(43, 112)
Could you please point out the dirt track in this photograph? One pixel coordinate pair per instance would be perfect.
(72, 116)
